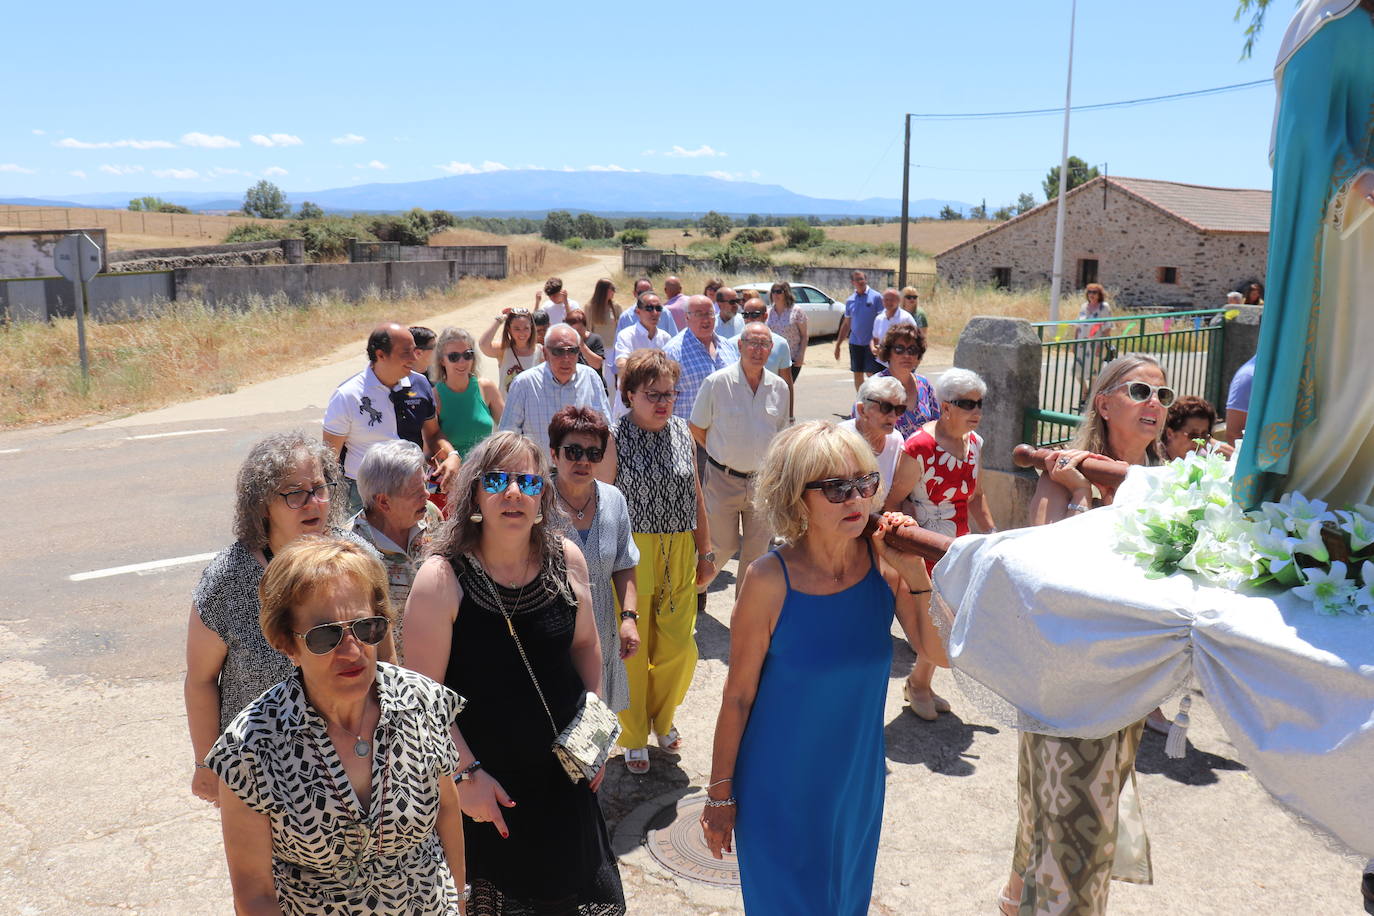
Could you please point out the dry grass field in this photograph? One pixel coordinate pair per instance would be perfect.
(128, 229)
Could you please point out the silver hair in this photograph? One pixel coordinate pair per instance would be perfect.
(563, 326)
(387, 468)
(264, 471)
(881, 387)
(1234, 296)
(955, 383)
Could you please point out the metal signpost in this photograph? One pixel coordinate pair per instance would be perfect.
(78, 259)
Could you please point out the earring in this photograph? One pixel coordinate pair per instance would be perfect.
(539, 517)
(475, 517)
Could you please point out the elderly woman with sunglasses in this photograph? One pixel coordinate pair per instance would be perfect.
(903, 347)
(501, 613)
(1069, 790)
(286, 488)
(946, 453)
(657, 471)
(597, 515)
(798, 766)
(337, 792)
(880, 401)
(469, 406)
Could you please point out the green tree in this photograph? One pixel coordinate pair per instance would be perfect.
(635, 238)
(798, 233)
(1002, 214)
(716, 224)
(558, 226)
(1256, 9)
(1025, 202)
(156, 205)
(978, 212)
(636, 222)
(310, 210)
(265, 200)
(1079, 172)
(591, 226)
(753, 220)
(441, 220)
(948, 212)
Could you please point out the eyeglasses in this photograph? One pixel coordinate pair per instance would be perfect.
(325, 638)
(457, 356)
(910, 298)
(752, 314)
(702, 316)
(886, 407)
(1140, 392)
(499, 482)
(562, 351)
(577, 453)
(776, 292)
(661, 397)
(296, 499)
(905, 350)
(652, 308)
(840, 489)
(754, 343)
(735, 301)
(967, 403)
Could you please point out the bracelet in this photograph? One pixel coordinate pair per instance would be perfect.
(466, 894)
(719, 781)
(1076, 507)
(202, 766)
(722, 803)
(919, 591)
(629, 615)
(466, 773)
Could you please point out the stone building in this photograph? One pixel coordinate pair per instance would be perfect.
(1150, 243)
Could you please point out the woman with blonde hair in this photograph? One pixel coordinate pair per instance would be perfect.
(1087, 357)
(911, 301)
(518, 350)
(468, 406)
(1069, 790)
(810, 653)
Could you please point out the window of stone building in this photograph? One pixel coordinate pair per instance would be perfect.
(1167, 275)
(1001, 277)
(1087, 271)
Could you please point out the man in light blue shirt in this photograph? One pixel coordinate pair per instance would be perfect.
(560, 381)
(860, 310)
(728, 320)
(628, 317)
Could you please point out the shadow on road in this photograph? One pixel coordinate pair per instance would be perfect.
(713, 638)
(941, 746)
(1194, 768)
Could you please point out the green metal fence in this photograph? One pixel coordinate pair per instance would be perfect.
(1187, 344)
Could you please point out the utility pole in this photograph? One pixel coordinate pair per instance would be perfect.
(906, 201)
(1058, 276)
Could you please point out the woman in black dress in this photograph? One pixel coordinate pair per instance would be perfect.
(502, 582)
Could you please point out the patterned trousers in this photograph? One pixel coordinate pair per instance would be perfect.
(1079, 823)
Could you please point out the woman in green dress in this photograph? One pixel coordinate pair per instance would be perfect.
(469, 406)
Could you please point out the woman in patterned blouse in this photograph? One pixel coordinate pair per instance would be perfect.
(657, 474)
(904, 346)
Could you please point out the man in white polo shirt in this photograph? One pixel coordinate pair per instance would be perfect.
(738, 411)
(386, 401)
(644, 334)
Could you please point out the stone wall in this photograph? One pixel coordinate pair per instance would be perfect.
(1131, 240)
(275, 251)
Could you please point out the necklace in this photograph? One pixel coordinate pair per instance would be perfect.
(361, 746)
(518, 576)
(582, 512)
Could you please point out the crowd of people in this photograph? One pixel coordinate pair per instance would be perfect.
(418, 602)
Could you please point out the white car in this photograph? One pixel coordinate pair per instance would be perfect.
(823, 313)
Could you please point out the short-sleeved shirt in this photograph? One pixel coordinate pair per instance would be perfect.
(365, 412)
(861, 309)
(277, 757)
(1238, 397)
(739, 420)
(535, 396)
(691, 354)
(927, 406)
(790, 326)
(780, 357)
(677, 307)
(656, 471)
(631, 316)
(729, 330)
(882, 324)
(402, 561)
(557, 311)
(636, 337)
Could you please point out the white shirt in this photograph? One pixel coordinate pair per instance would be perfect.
(740, 421)
(887, 461)
(360, 409)
(882, 323)
(557, 312)
(636, 337)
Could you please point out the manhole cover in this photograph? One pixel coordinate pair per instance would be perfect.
(681, 848)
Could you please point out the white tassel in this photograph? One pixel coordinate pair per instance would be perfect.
(1176, 745)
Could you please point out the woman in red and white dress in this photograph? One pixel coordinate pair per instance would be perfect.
(947, 453)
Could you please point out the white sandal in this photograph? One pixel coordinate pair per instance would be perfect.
(671, 742)
(637, 760)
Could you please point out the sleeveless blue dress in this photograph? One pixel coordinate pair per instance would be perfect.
(810, 771)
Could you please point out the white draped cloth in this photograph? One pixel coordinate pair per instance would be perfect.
(1053, 631)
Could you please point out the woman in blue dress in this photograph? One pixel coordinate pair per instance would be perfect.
(797, 769)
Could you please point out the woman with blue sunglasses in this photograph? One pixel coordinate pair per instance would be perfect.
(501, 613)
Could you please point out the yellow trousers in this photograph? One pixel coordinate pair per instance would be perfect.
(661, 671)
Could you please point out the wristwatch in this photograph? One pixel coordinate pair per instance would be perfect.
(629, 615)
(710, 557)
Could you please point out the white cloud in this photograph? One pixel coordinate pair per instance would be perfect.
(349, 140)
(72, 143)
(77, 174)
(121, 169)
(374, 164)
(733, 176)
(678, 152)
(180, 174)
(723, 176)
(37, 132)
(609, 168)
(273, 171)
(276, 140)
(13, 167)
(209, 141)
(217, 171)
(467, 168)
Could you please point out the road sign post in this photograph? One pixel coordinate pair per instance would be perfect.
(77, 258)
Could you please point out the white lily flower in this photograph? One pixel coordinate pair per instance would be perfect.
(1357, 527)
(1329, 592)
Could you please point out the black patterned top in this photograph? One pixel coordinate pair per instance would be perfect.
(277, 757)
(657, 474)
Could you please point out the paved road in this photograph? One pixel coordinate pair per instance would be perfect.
(94, 809)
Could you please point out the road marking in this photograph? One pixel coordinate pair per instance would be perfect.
(9, 451)
(184, 432)
(150, 566)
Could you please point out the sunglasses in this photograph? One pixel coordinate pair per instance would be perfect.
(562, 351)
(652, 308)
(968, 403)
(455, 356)
(661, 397)
(753, 313)
(840, 489)
(296, 499)
(910, 298)
(521, 312)
(325, 638)
(735, 301)
(499, 482)
(577, 452)
(1140, 392)
(886, 407)
(905, 350)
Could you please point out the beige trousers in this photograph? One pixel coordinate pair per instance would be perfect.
(732, 520)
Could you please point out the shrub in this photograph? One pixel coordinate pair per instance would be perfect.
(741, 256)
(575, 242)
(309, 210)
(328, 237)
(266, 201)
(755, 235)
(634, 237)
(253, 232)
(800, 234)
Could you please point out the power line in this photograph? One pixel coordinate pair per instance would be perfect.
(1101, 106)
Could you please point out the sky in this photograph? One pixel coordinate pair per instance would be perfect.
(155, 97)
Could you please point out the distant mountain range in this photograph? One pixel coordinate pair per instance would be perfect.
(534, 192)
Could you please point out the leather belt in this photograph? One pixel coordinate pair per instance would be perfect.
(731, 471)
